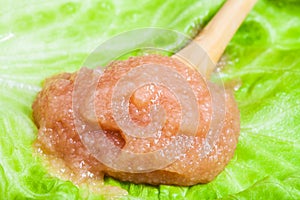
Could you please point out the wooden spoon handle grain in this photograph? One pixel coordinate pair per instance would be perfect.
(214, 38)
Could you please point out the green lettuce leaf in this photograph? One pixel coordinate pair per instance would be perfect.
(38, 40)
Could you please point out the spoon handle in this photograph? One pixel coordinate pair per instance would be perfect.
(214, 38)
(219, 31)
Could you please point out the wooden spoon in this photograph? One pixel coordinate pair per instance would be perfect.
(208, 46)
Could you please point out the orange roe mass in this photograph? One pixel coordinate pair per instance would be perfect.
(57, 136)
